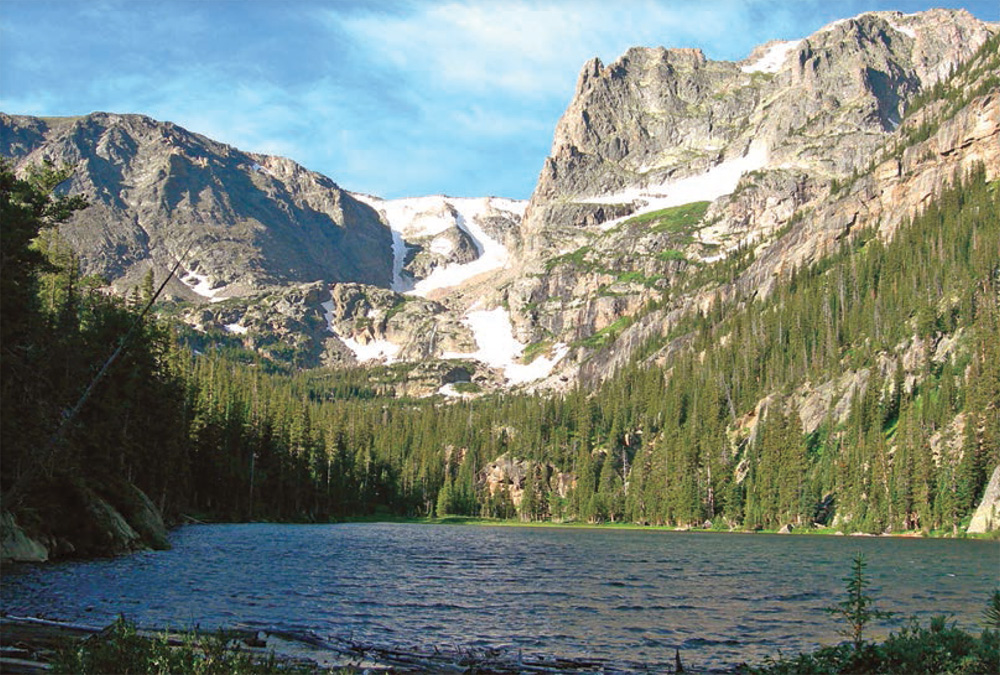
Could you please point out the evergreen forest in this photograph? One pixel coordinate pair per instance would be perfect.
(714, 436)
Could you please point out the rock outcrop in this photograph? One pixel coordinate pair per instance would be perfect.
(793, 149)
(664, 167)
(987, 515)
(506, 476)
(16, 545)
(68, 517)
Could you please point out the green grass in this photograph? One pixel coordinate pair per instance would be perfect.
(673, 220)
(577, 258)
(398, 307)
(386, 517)
(535, 349)
(638, 278)
(608, 334)
(670, 255)
(467, 388)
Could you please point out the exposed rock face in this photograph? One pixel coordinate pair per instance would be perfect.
(16, 546)
(410, 328)
(236, 221)
(507, 475)
(86, 520)
(658, 113)
(987, 516)
(823, 112)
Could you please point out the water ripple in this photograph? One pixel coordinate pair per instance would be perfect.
(607, 594)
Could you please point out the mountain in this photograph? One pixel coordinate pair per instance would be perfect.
(752, 148)
(665, 166)
(746, 154)
(235, 221)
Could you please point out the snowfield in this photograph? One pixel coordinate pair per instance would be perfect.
(719, 180)
(199, 284)
(773, 58)
(235, 328)
(905, 30)
(498, 348)
(381, 350)
(421, 217)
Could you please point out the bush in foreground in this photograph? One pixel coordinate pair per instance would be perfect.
(915, 650)
(121, 649)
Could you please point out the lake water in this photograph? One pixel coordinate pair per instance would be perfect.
(595, 593)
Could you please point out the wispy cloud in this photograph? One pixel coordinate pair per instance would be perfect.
(395, 98)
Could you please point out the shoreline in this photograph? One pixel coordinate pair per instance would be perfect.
(30, 645)
(475, 521)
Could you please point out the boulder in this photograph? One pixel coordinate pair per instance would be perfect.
(69, 516)
(15, 545)
(987, 516)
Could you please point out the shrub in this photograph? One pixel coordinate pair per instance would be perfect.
(120, 648)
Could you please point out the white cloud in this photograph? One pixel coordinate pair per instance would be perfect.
(399, 99)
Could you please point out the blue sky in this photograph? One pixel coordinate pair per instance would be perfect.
(396, 98)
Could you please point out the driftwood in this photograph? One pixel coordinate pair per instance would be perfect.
(28, 645)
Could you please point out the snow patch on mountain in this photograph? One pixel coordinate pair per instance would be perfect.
(905, 30)
(235, 328)
(498, 348)
(421, 217)
(772, 60)
(200, 284)
(719, 180)
(374, 350)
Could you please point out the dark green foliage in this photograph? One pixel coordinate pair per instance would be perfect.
(915, 650)
(991, 615)
(120, 648)
(707, 430)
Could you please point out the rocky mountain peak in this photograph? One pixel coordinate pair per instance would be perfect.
(664, 164)
(745, 146)
(236, 221)
(820, 103)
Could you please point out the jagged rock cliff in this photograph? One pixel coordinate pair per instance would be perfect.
(787, 152)
(235, 221)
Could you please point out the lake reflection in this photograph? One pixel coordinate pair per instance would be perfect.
(610, 594)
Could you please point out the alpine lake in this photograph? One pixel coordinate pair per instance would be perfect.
(606, 594)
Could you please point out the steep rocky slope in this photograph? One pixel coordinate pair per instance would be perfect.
(766, 154)
(236, 221)
(673, 182)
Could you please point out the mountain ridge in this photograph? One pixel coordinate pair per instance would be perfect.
(762, 140)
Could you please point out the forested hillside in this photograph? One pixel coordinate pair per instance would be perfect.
(913, 324)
